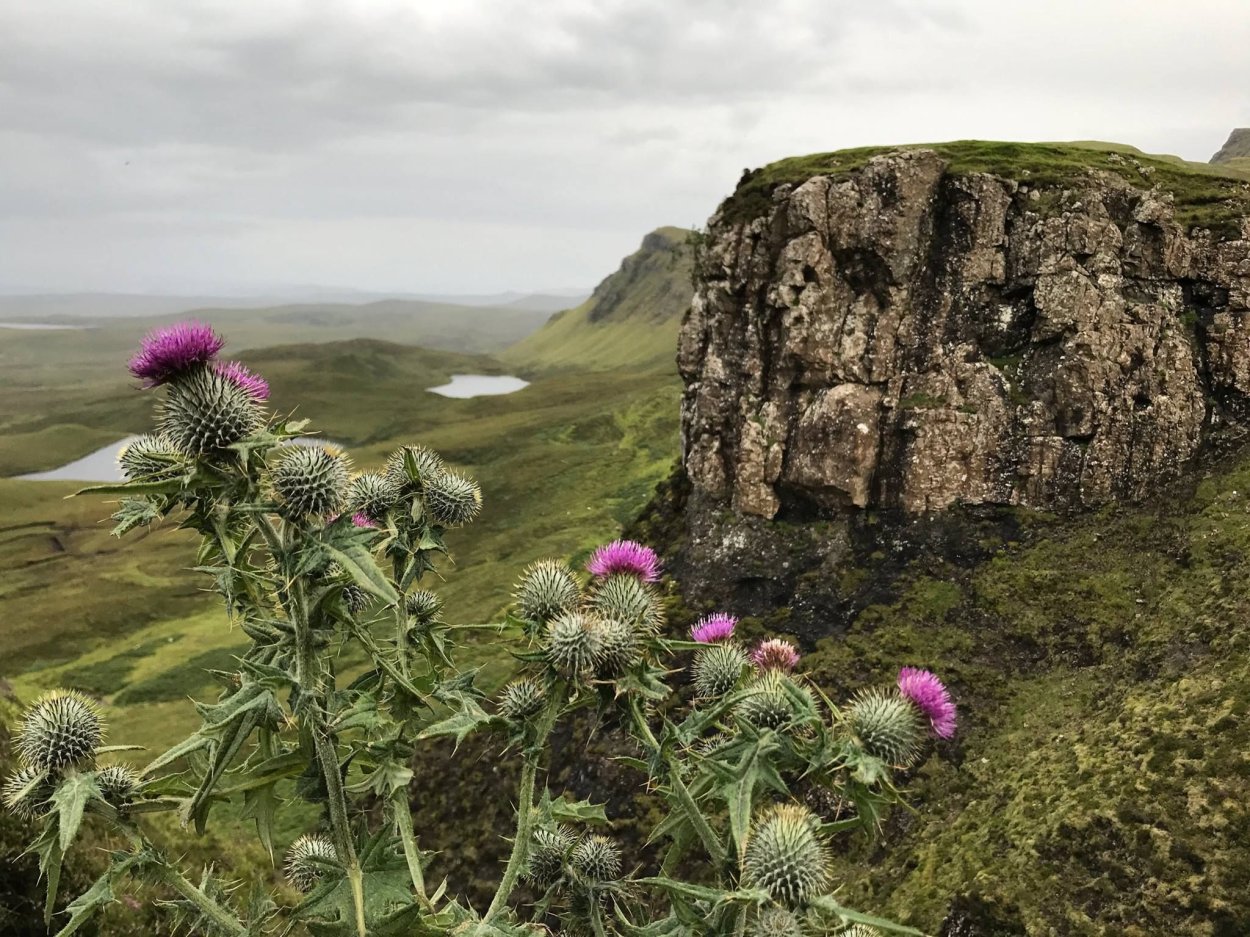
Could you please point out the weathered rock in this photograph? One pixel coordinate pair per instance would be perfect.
(908, 338)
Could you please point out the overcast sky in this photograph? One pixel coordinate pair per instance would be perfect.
(483, 145)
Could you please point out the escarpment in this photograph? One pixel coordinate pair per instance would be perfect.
(909, 335)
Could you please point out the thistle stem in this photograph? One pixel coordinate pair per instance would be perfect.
(412, 855)
(327, 754)
(219, 916)
(524, 812)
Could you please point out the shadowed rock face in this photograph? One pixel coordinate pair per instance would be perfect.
(909, 339)
(1236, 146)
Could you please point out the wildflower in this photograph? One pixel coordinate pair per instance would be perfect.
(931, 697)
(625, 556)
(546, 589)
(775, 654)
(627, 599)
(307, 858)
(452, 499)
(168, 352)
(310, 480)
(717, 670)
(887, 726)
(785, 857)
(61, 730)
(361, 519)
(597, 858)
(715, 627)
(244, 378)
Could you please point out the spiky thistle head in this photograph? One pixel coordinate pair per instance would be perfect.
(777, 922)
(547, 855)
(409, 468)
(307, 858)
(61, 730)
(627, 598)
(626, 557)
(174, 350)
(772, 704)
(618, 647)
(546, 589)
(423, 607)
(244, 378)
(718, 626)
(717, 670)
(784, 855)
(597, 859)
(452, 499)
(118, 784)
(574, 645)
(150, 457)
(26, 792)
(887, 725)
(371, 495)
(355, 598)
(520, 699)
(205, 412)
(931, 697)
(860, 930)
(775, 654)
(310, 481)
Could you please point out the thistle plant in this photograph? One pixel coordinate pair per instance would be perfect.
(309, 559)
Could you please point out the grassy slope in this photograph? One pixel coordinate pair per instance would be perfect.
(1206, 195)
(631, 320)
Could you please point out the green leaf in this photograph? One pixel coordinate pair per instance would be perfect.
(133, 513)
(261, 803)
(469, 717)
(134, 488)
(827, 904)
(359, 564)
(70, 799)
(581, 811)
(85, 905)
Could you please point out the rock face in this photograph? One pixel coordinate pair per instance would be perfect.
(1237, 145)
(908, 338)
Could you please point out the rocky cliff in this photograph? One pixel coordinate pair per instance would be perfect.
(907, 334)
(1237, 146)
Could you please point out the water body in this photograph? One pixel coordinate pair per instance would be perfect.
(479, 385)
(39, 325)
(101, 466)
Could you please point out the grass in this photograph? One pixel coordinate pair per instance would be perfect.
(1210, 196)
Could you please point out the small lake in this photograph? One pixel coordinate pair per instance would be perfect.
(39, 325)
(101, 465)
(479, 385)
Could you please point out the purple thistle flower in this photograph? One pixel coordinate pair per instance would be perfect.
(361, 519)
(167, 352)
(625, 556)
(931, 697)
(246, 380)
(715, 627)
(775, 654)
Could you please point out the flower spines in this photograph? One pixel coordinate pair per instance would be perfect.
(626, 557)
(150, 457)
(546, 589)
(887, 725)
(548, 854)
(931, 697)
(618, 647)
(785, 857)
(574, 645)
(372, 494)
(306, 860)
(627, 598)
(204, 413)
(777, 922)
(63, 729)
(521, 699)
(310, 481)
(597, 859)
(409, 461)
(118, 784)
(355, 598)
(452, 499)
(717, 670)
(171, 351)
(26, 792)
(860, 930)
(773, 703)
(423, 607)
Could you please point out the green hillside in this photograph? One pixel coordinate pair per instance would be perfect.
(631, 320)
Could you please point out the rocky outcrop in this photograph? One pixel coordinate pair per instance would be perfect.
(1237, 146)
(908, 337)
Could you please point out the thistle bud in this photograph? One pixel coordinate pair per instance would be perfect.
(310, 481)
(785, 857)
(777, 922)
(452, 499)
(61, 730)
(372, 494)
(151, 457)
(118, 784)
(546, 589)
(770, 706)
(618, 647)
(717, 670)
(887, 726)
(547, 855)
(205, 412)
(305, 860)
(355, 598)
(426, 464)
(26, 792)
(598, 859)
(423, 608)
(627, 598)
(861, 930)
(574, 645)
(521, 699)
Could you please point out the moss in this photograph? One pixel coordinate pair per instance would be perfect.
(922, 402)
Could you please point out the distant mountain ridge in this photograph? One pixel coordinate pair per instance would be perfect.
(1237, 146)
(630, 320)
